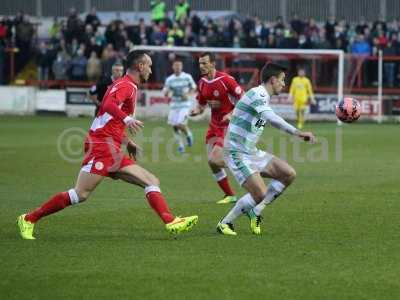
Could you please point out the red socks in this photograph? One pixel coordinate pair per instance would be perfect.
(54, 204)
(224, 185)
(158, 203)
(62, 200)
(222, 180)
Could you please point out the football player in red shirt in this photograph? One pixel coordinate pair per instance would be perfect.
(104, 157)
(220, 91)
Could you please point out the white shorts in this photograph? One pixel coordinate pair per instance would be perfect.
(243, 165)
(178, 116)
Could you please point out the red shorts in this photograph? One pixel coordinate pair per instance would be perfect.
(103, 159)
(215, 136)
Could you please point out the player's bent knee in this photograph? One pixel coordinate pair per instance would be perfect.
(156, 181)
(211, 162)
(258, 196)
(77, 196)
(258, 193)
(152, 180)
(83, 195)
(216, 162)
(290, 175)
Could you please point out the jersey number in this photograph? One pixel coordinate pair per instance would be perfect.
(260, 123)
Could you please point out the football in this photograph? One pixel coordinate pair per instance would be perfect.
(348, 110)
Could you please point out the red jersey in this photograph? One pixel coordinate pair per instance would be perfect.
(221, 94)
(119, 102)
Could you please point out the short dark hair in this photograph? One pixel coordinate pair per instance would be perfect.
(117, 64)
(269, 70)
(134, 57)
(210, 55)
(178, 59)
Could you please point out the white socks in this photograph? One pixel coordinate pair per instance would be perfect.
(73, 196)
(275, 188)
(243, 205)
(246, 203)
(151, 188)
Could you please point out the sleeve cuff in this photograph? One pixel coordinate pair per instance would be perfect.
(128, 119)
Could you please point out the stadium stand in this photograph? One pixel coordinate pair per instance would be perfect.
(79, 47)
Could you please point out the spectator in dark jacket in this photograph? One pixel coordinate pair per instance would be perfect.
(321, 41)
(279, 24)
(24, 33)
(60, 67)
(109, 57)
(93, 19)
(290, 41)
(197, 25)
(43, 61)
(74, 26)
(330, 30)
(92, 46)
(296, 24)
(361, 26)
(380, 23)
(78, 66)
(389, 66)
(251, 40)
(158, 37)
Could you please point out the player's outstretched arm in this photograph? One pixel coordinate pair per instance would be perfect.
(112, 103)
(306, 136)
(133, 125)
(279, 123)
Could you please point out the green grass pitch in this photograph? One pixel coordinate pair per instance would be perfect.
(334, 234)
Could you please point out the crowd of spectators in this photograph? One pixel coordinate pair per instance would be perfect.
(83, 49)
(16, 32)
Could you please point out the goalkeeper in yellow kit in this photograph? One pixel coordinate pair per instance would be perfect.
(302, 94)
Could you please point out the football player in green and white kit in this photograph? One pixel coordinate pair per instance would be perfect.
(247, 163)
(180, 86)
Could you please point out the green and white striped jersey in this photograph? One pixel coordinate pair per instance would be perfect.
(247, 125)
(179, 85)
